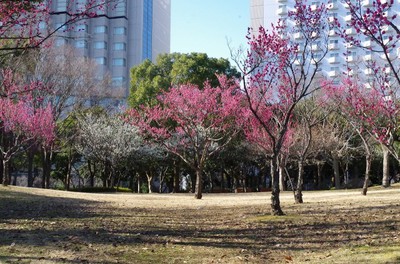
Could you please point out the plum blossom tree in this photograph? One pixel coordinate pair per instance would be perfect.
(378, 23)
(307, 116)
(25, 24)
(109, 140)
(372, 112)
(278, 74)
(22, 122)
(195, 124)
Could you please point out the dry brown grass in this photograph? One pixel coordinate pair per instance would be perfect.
(47, 226)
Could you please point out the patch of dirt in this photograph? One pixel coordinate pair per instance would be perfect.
(47, 226)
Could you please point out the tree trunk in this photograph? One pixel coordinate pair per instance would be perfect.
(275, 201)
(299, 187)
(336, 172)
(385, 172)
(68, 177)
(282, 185)
(319, 175)
(6, 179)
(46, 165)
(69, 171)
(198, 192)
(138, 183)
(177, 172)
(91, 172)
(149, 176)
(368, 162)
(30, 157)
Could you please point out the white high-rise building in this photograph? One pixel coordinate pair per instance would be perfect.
(341, 56)
(125, 35)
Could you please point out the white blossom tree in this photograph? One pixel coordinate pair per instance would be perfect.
(109, 140)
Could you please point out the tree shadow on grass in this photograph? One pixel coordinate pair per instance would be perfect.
(17, 205)
(79, 226)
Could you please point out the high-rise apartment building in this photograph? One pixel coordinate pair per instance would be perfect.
(125, 34)
(341, 56)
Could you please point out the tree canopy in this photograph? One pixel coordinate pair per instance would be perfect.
(149, 79)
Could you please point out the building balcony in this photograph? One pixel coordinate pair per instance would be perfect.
(298, 35)
(314, 35)
(333, 46)
(385, 41)
(333, 60)
(351, 58)
(368, 85)
(385, 28)
(368, 71)
(368, 57)
(332, 6)
(367, 3)
(315, 47)
(282, 11)
(314, 7)
(367, 43)
(333, 73)
(332, 33)
(350, 31)
(349, 45)
(390, 56)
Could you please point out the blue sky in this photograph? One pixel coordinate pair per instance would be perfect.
(205, 25)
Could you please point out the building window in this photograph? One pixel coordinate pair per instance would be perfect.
(101, 60)
(61, 26)
(317, 56)
(81, 44)
(119, 46)
(147, 35)
(117, 81)
(120, 30)
(61, 5)
(60, 42)
(119, 62)
(100, 45)
(120, 9)
(81, 28)
(80, 5)
(42, 25)
(100, 29)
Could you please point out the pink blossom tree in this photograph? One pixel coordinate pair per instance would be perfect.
(373, 112)
(279, 73)
(22, 123)
(195, 124)
(378, 23)
(25, 24)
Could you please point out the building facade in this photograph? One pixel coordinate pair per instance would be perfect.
(125, 34)
(341, 57)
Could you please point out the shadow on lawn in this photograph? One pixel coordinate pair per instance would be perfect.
(79, 225)
(16, 205)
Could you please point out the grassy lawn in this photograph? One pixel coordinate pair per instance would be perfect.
(47, 226)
